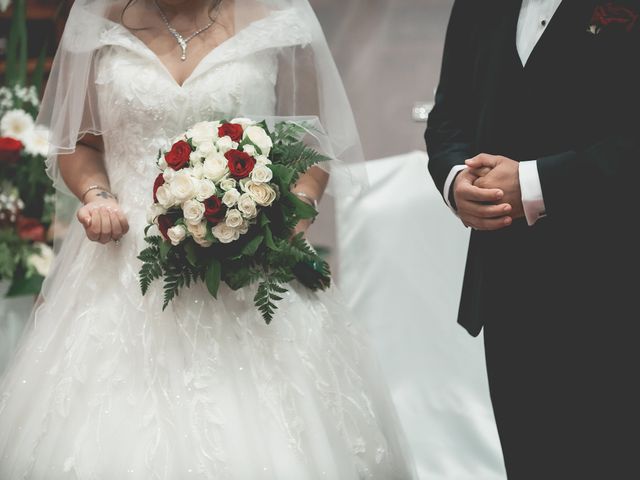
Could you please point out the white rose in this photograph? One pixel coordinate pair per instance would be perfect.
(203, 242)
(177, 234)
(262, 160)
(225, 233)
(262, 193)
(234, 218)
(162, 163)
(204, 132)
(154, 212)
(197, 171)
(228, 183)
(165, 197)
(193, 211)
(225, 144)
(215, 167)
(244, 228)
(205, 148)
(247, 206)
(182, 186)
(198, 231)
(231, 197)
(168, 174)
(16, 124)
(245, 122)
(205, 189)
(259, 137)
(42, 260)
(195, 157)
(261, 174)
(250, 150)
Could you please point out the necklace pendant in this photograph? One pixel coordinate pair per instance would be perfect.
(183, 47)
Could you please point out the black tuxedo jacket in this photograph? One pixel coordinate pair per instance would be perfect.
(575, 108)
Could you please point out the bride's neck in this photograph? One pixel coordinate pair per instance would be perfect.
(191, 9)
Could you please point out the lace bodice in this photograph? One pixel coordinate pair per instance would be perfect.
(142, 107)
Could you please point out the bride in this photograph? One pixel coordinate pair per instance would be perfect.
(105, 384)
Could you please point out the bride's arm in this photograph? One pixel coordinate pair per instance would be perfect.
(85, 175)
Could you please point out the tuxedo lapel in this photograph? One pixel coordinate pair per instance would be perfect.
(571, 18)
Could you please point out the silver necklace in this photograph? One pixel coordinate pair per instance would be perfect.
(182, 41)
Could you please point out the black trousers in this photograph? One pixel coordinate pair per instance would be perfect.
(564, 389)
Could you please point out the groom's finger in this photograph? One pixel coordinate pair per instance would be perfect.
(480, 172)
(469, 192)
(481, 210)
(482, 160)
(488, 224)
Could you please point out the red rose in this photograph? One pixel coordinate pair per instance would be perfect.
(165, 222)
(156, 185)
(178, 157)
(612, 14)
(10, 150)
(30, 229)
(214, 210)
(232, 130)
(240, 163)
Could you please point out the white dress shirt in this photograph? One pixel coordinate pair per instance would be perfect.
(535, 16)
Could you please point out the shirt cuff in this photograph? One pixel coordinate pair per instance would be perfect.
(531, 189)
(449, 182)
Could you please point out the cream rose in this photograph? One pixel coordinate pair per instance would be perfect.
(262, 193)
(182, 186)
(165, 197)
(247, 206)
(198, 231)
(228, 183)
(231, 197)
(234, 218)
(215, 167)
(259, 137)
(261, 174)
(205, 189)
(193, 211)
(225, 144)
(177, 234)
(224, 233)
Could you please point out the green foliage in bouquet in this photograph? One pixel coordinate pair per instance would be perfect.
(267, 254)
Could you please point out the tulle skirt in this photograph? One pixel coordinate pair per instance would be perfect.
(107, 386)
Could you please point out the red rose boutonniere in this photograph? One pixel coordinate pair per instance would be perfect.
(612, 15)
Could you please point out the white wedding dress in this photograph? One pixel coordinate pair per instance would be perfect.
(106, 386)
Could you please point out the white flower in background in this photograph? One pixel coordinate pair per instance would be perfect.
(262, 160)
(16, 124)
(154, 212)
(42, 260)
(165, 198)
(193, 211)
(206, 189)
(37, 142)
(261, 174)
(259, 137)
(177, 234)
(247, 206)
(234, 218)
(198, 231)
(4, 4)
(250, 150)
(227, 184)
(225, 144)
(182, 186)
(215, 167)
(204, 132)
(231, 197)
(224, 233)
(262, 193)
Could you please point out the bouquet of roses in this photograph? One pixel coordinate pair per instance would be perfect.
(223, 207)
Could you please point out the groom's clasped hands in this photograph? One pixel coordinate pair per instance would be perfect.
(487, 193)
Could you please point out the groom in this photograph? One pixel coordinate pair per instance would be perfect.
(534, 142)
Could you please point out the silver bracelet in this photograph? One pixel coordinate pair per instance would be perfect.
(314, 202)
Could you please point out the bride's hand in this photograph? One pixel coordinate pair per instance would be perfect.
(102, 218)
